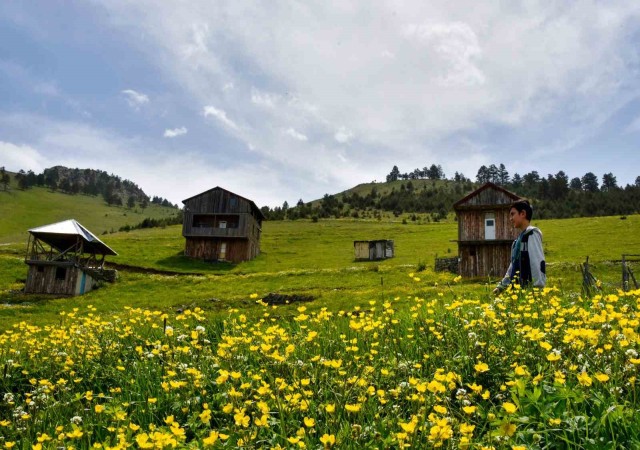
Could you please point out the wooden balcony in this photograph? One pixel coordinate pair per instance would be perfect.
(216, 232)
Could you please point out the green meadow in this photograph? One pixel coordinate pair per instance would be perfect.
(306, 259)
(367, 355)
(303, 347)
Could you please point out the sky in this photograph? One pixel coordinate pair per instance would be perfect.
(286, 100)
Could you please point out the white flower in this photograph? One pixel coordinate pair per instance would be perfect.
(76, 419)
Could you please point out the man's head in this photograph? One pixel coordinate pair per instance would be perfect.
(521, 213)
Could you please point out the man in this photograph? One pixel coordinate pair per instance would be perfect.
(527, 266)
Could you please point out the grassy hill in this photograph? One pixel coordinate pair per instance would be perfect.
(384, 188)
(21, 210)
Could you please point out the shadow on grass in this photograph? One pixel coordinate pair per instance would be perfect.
(179, 262)
(19, 298)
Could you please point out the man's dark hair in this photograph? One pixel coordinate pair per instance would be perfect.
(523, 205)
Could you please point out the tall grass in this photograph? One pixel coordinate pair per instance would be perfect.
(529, 369)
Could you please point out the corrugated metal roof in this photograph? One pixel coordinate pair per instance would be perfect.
(63, 234)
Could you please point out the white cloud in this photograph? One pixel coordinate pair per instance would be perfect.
(343, 135)
(135, 99)
(387, 54)
(198, 43)
(458, 46)
(168, 133)
(14, 157)
(221, 116)
(296, 135)
(264, 98)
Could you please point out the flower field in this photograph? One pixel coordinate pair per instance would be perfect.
(526, 370)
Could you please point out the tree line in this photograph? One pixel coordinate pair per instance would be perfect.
(558, 196)
(553, 196)
(114, 190)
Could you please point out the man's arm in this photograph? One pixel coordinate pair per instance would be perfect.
(536, 260)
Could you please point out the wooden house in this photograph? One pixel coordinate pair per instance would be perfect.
(219, 225)
(65, 258)
(485, 233)
(373, 250)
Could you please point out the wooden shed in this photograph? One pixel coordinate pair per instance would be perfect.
(221, 226)
(373, 250)
(485, 233)
(65, 258)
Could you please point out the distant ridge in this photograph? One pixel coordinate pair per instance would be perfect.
(103, 202)
(94, 182)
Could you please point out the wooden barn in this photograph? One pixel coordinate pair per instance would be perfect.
(485, 233)
(373, 250)
(65, 258)
(221, 226)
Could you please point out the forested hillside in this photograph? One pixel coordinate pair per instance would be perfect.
(428, 191)
(25, 203)
(112, 188)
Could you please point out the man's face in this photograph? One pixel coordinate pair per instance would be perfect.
(517, 218)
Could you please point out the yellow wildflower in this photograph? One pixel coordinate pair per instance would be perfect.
(510, 408)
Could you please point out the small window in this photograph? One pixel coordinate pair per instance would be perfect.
(40, 269)
(233, 202)
(61, 273)
(489, 222)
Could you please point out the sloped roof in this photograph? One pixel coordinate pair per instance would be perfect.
(484, 187)
(62, 235)
(218, 188)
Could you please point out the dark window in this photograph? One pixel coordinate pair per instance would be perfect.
(490, 222)
(61, 273)
(233, 202)
(202, 221)
(40, 269)
(472, 252)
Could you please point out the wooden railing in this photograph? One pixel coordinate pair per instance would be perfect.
(216, 232)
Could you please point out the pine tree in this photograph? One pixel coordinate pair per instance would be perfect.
(5, 178)
(589, 182)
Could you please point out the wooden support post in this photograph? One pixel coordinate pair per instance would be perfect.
(627, 272)
(586, 285)
(630, 272)
(625, 275)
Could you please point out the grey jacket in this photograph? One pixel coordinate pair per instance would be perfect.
(536, 260)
